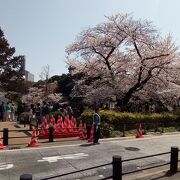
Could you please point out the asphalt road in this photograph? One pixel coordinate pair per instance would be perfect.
(49, 161)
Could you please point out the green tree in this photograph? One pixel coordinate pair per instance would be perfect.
(65, 84)
(11, 66)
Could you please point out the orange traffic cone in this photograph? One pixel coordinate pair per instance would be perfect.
(92, 134)
(59, 119)
(139, 132)
(34, 141)
(84, 132)
(1, 144)
(71, 126)
(66, 124)
(74, 124)
(80, 129)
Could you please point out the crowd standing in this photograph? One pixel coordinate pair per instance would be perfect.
(7, 111)
(40, 110)
(10, 112)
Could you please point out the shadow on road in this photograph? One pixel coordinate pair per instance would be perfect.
(89, 144)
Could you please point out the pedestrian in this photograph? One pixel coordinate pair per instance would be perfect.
(20, 110)
(45, 109)
(12, 112)
(69, 111)
(8, 111)
(96, 122)
(31, 112)
(38, 113)
(2, 111)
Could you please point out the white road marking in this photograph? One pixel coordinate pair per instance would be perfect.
(4, 166)
(69, 156)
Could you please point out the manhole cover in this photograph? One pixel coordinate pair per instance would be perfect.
(132, 149)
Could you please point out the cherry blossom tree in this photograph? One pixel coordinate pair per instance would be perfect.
(38, 95)
(123, 57)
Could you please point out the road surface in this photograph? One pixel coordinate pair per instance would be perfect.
(48, 161)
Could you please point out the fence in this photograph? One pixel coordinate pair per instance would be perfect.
(117, 162)
(147, 127)
(50, 136)
(6, 136)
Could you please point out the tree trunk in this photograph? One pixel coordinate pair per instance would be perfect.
(122, 103)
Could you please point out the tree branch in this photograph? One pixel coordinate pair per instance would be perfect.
(154, 57)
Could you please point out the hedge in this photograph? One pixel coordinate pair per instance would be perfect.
(116, 118)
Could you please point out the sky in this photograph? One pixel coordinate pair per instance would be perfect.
(42, 29)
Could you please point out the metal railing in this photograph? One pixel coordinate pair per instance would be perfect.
(51, 136)
(116, 163)
(124, 128)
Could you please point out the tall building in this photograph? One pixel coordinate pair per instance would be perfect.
(23, 64)
(29, 76)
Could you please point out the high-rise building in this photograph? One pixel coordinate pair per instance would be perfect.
(29, 76)
(23, 64)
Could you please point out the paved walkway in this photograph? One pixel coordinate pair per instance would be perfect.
(14, 132)
(20, 139)
(172, 177)
(163, 176)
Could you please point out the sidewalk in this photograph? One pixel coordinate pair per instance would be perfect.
(147, 175)
(144, 176)
(15, 126)
(162, 176)
(19, 142)
(172, 177)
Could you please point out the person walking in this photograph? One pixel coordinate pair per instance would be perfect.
(96, 122)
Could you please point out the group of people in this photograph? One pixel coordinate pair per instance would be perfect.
(39, 110)
(7, 111)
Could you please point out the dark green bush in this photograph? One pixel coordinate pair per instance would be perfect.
(132, 120)
(106, 129)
